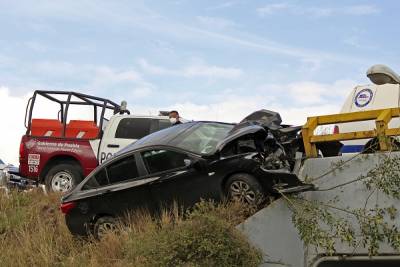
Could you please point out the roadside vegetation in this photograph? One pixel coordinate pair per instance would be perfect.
(33, 233)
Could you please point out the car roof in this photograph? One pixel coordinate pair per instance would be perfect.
(159, 138)
(164, 137)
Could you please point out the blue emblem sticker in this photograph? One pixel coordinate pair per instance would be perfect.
(363, 97)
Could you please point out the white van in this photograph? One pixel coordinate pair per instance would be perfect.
(368, 97)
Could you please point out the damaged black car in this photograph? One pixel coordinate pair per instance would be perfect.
(248, 161)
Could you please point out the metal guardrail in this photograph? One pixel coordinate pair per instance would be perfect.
(382, 118)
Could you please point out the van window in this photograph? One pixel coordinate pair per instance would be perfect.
(133, 128)
(123, 169)
(163, 160)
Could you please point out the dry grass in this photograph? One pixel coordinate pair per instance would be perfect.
(33, 233)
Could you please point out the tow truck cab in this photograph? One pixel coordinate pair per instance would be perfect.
(61, 147)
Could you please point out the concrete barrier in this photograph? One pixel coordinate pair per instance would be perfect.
(272, 230)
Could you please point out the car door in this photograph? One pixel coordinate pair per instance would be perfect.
(126, 187)
(129, 185)
(177, 179)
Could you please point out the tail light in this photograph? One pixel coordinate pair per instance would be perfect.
(336, 129)
(22, 148)
(67, 207)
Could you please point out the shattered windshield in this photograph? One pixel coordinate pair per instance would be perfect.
(204, 139)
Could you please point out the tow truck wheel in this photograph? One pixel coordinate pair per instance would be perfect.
(244, 188)
(63, 177)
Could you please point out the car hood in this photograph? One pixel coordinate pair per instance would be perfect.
(242, 129)
(255, 123)
(265, 118)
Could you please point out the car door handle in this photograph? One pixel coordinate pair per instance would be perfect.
(112, 145)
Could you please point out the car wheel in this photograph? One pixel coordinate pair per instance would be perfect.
(63, 177)
(104, 225)
(244, 188)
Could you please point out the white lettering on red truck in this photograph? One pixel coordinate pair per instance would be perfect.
(33, 162)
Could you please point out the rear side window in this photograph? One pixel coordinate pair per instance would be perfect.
(133, 128)
(98, 180)
(163, 160)
(123, 169)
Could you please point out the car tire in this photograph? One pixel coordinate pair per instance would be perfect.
(104, 225)
(63, 177)
(244, 188)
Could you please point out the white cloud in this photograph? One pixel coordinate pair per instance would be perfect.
(316, 12)
(360, 10)
(115, 14)
(235, 109)
(106, 75)
(231, 109)
(223, 5)
(197, 69)
(272, 8)
(141, 92)
(94, 78)
(153, 69)
(202, 70)
(12, 113)
(216, 22)
(297, 101)
(36, 46)
(310, 93)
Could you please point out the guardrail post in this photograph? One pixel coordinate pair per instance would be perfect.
(381, 126)
(307, 132)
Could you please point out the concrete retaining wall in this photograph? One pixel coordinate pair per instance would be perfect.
(272, 230)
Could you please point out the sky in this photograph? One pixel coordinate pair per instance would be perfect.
(210, 60)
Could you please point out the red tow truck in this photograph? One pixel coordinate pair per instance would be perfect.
(60, 150)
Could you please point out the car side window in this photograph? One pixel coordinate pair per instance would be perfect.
(97, 180)
(133, 128)
(123, 169)
(159, 160)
